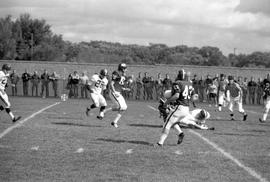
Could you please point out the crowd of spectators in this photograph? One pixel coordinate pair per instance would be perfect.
(146, 87)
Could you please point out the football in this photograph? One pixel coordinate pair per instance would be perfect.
(167, 94)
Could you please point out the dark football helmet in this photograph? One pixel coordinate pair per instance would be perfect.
(103, 72)
(6, 67)
(122, 66)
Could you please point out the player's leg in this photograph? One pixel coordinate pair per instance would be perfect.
(95, 99)
(5, 100)
(122, 107)
(230, 107)
(266, 110)
(241, 110)
(103, 105)
(220, 100)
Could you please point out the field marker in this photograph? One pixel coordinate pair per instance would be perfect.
(226, 154)
(229, 156)
(80, 150)
(35, 148)
(20, 123)
(178, 152)
(129, 151)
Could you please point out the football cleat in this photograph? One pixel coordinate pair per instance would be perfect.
(232, 119)
(87, 111)
(180, 138)
(100, 117)
(211, 128)
(114, 124)
(245, 117)
(262, 121)
(16, 119)
(157, 145)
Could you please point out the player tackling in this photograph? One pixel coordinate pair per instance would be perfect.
(4, 74)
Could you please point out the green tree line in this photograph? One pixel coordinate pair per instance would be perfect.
(26, 38)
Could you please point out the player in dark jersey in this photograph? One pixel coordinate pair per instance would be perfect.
(266, 99)
(116, 87)
(182, 93)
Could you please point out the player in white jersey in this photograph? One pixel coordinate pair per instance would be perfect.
(116, 87)
(266, 99)
(96, 85)
(4, 74)
(221, 91)
(196, 119)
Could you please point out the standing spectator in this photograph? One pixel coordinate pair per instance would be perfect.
(201, 86)
(145, 81)
(221, 91)
(14, 79)
(150, 88)
(130, 86)
(83, 83)
(35, 79)
(167, 82)
(45, 79)
(244, 87)
(251, 90)
(195, 84)
(54, 78)
(266, 98)
(208, 82)
(159, 86)
(75, 79)
(25, 78)
(212, 92)
(259, 91)
(139, 86)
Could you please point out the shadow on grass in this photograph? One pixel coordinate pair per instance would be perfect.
(237, 134)
(75, 124)
(146, 125)
(63, 117)
(125, 141)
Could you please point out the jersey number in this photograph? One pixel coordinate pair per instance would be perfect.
(187, 92)
(121, 82)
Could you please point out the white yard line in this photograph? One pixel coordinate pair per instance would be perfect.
(251, 171)
(20, 123)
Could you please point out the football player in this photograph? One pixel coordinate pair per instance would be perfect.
(96, 85)
(196, 119)
(181, 94)
(116, 87)
(233, 95)
(266, 99)
(4, 74)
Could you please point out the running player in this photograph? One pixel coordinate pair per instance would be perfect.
(234, 90)
(97, 84)
(266, 99)
(181, 95)
(116, 87)
(4, 74)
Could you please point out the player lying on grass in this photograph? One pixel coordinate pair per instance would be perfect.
(195, 119)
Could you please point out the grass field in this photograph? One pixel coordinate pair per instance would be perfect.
(57, 142)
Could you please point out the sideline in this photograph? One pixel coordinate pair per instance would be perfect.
(226, 154)
(20, 123)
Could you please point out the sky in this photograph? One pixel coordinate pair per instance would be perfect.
(240, 25)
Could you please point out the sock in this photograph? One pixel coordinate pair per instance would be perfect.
(10, 113)
(117, 118)
(162, 138)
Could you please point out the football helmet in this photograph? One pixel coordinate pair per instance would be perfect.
(103, 72)
(6, 67)
(122, 67)
(203, 115)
